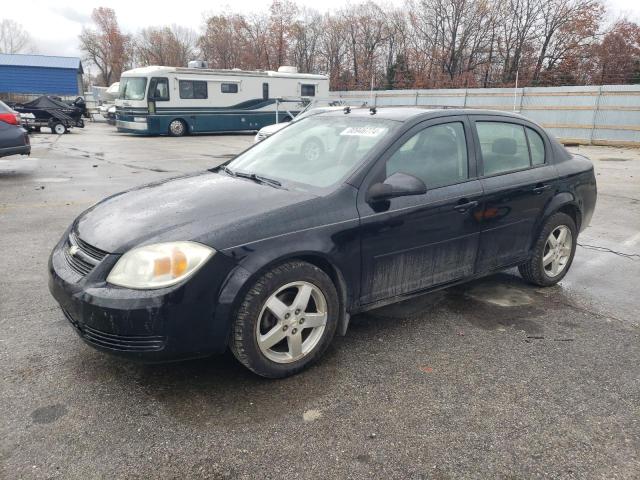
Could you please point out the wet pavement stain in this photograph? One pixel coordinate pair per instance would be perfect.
(48, 414)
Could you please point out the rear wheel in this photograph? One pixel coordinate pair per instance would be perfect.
(58, 128)
(286, 321)
(552, 253)
(177, 128)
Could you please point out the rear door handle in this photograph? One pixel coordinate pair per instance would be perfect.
(464, 207)
(540, 187)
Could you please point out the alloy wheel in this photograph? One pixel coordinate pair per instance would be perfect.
(557, 250)
(292, 322)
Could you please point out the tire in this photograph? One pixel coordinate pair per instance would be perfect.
(256, 326)
(312, 149)
(177, 128)
(541, 271)
(58, 128)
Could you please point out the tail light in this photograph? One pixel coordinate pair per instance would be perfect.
(12, 118)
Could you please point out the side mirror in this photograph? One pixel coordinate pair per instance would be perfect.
(397, 185)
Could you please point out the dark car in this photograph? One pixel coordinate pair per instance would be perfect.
(270, 254)
(14, 139)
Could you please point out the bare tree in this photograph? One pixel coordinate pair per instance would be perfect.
(106, 46)
(171, 46)
(14, 38)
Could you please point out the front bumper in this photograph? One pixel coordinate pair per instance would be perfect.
(149, 325)
(133, 127)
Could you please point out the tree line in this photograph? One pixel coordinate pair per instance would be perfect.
(419, 44)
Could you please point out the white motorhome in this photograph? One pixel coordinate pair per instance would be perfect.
(175, 101)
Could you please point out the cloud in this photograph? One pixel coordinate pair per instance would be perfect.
(71, 14)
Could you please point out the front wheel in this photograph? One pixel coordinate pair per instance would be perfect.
(286, 321)
(177, 128)
(552, 253)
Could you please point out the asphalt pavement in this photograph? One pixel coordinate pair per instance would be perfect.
(492, 379)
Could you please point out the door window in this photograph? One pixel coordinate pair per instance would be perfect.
(503, 146)
(265, 91)
(436, 155)
(159, 89)
(193, 89)
(536, 145)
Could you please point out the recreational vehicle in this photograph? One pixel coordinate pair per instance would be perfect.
(176, 101)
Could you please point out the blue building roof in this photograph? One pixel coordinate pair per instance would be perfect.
(46, 61)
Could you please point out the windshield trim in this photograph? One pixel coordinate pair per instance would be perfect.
(290, 184)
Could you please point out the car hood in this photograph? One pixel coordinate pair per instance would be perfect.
(214, 209)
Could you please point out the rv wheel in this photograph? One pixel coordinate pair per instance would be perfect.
(177, 128)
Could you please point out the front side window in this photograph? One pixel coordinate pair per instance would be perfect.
(159, 89)
(229, 87)
(536, 145)
(436, 155)
(317, 151)
(193, 89)
(503, 146)
(308, 90)
(132, 88)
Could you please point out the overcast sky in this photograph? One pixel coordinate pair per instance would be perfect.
(55, 27)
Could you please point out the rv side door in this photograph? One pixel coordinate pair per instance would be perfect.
(158, 92)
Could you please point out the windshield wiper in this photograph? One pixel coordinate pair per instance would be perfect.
(259, 178)
(227, 170)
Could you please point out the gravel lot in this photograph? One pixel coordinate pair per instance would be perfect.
(493, 379)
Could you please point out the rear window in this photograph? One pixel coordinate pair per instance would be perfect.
(308, 90)
(229, 87)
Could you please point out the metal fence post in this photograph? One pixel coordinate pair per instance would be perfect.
(464, 104)
(595, 115)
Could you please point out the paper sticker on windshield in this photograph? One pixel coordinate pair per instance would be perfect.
(363, 131)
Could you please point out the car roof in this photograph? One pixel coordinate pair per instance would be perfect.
(403, 114)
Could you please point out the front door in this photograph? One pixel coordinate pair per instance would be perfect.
(415, 242)
(518, 181)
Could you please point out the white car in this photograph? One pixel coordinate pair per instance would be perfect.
(269, 130)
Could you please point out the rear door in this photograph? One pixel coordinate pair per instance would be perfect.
(518, 181)
(415, 242)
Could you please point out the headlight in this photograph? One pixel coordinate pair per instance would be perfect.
(159, 265)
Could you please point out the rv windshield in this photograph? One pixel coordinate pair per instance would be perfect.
(132, 88)
(318, 151)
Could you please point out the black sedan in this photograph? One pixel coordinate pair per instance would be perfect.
(14, 139)
(270, 254)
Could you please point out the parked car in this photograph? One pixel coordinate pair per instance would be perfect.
(14, 140)
(309, 111)
(270, 254)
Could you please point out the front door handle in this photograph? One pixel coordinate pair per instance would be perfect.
(466, 206)
(540, 187)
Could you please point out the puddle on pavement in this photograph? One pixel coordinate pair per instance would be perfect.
(499, 294)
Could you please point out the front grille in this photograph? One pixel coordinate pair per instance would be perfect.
(85, 256)
(125, 343)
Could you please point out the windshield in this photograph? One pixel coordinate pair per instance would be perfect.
(318, 151)
(132, 88)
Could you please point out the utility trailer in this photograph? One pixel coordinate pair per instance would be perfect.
(48, 112)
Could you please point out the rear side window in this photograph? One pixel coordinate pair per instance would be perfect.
(308, 90)
(436, 155)
(193, 89)
(229, 87)
(503, 146)
(536, 145)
